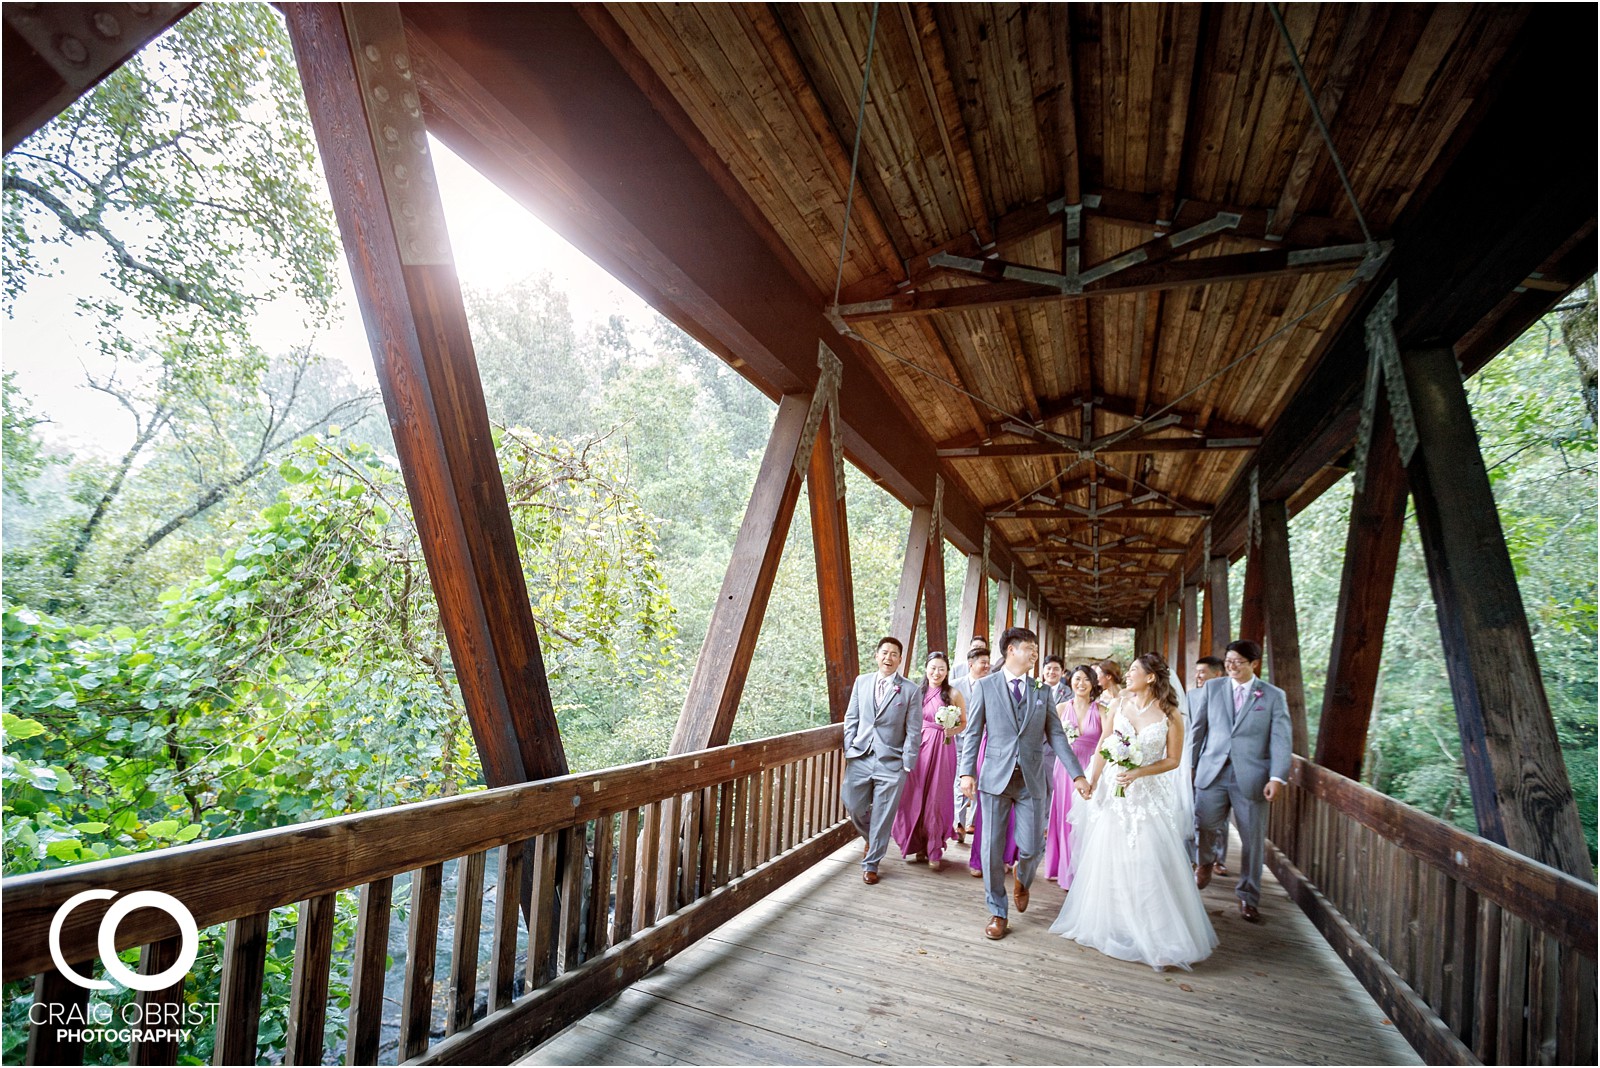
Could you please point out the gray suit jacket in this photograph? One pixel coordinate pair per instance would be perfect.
(1017, 736)
(892, 733)
(1258, 739)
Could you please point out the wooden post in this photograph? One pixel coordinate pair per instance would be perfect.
(1371, 552)
(830, 539)
(730, 642)
(1191, 633)
(1002, 619)
(973, 589)
(1283, 630)
(912, 573)
(935, 614)
(1218, 633)
(1173, 650)
(410, 300)
(1520, 789)
(1253, 612)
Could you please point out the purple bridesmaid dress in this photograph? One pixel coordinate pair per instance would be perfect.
(1057, 839)
(927, 816)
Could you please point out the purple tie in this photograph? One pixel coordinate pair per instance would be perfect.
(1238, 697)
(1016, 690)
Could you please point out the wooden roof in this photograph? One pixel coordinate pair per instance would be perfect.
(982, 121)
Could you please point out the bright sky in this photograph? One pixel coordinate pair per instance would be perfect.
(496, 242)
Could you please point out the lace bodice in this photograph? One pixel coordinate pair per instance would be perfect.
(1152, 737)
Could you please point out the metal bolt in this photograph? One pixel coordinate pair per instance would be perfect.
(390, 134)
(72, 50)
(373, 55)
(106, 25)
(381, 93)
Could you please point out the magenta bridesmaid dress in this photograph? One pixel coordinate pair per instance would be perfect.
(927, 816)
(1058, 832)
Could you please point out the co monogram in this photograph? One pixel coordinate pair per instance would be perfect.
(151, 899)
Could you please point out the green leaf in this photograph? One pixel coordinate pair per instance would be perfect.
(17, 728)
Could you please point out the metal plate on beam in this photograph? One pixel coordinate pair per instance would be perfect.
(399, 135)
(80, 42)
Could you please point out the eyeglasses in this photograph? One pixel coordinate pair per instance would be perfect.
(1235, 661)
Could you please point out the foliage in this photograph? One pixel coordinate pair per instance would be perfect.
(192, 169)
(23, 457)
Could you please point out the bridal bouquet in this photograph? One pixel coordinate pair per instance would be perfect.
(1123, 751)
(948, 717)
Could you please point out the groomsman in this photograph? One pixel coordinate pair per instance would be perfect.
(1206, 668)
(962, 670)
(1242, 754)
(882, 736)
(977, 667)
(1009, 709)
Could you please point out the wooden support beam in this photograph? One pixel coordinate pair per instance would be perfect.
(1135, 211)
(1003, 606)
(1520, 790)
(1371, 553)
(55, 53)
(974, 607)
(1253, 612)
(1283, 628)
(1217, 626)
(416, 323)
(830, 540)
(935, 614)
(1104, 512)
(1073, 406)
(724, 662)
(1191, 632)
(1129, 445)
(1171, 274)
(913, 574)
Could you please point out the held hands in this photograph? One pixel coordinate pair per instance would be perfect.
(1084, 789)
(969, 787)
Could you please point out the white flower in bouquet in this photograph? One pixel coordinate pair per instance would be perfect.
(1122, 750)
(948, 717)
(1074, 732)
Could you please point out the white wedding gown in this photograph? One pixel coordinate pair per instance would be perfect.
(1133, 895)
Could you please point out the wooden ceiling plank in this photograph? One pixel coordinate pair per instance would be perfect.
(1349, 57)
(935, 69)
(1187, 30)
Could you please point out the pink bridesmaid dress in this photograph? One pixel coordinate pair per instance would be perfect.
(1058, 832)
(927, 816)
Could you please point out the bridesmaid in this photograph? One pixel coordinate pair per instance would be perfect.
(926, 819)
(1109, 676)
(1080, 715)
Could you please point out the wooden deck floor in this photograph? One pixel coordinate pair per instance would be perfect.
(829, 971)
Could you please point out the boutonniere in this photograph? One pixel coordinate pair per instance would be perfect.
(1256, 693)
(1037, 685)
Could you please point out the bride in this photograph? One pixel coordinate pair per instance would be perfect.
(1133, 895)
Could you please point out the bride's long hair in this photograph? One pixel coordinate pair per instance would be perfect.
(1160, 682)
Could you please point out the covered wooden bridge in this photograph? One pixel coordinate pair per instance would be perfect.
(1103, 294)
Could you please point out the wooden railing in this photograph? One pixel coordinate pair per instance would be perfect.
(603, 902)
(1477, 953)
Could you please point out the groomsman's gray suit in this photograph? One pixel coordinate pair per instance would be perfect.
(1235, 754)
(1061, 691)
(1013, 774)
(881, 742)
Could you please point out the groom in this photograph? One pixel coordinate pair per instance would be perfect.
(1019, 719)
(1242, 742)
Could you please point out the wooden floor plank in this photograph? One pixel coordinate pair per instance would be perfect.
(788, 982)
